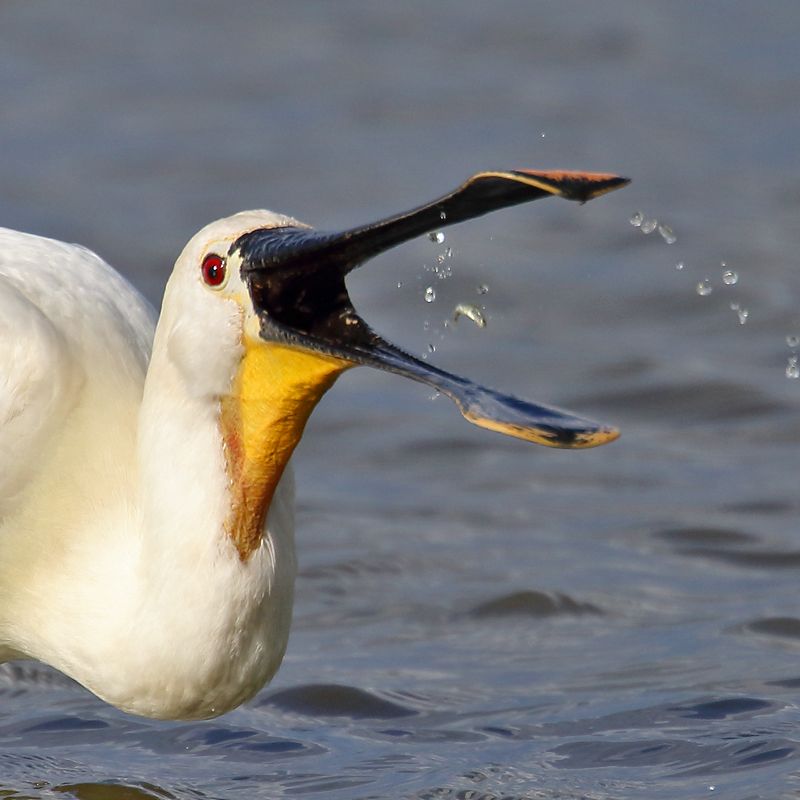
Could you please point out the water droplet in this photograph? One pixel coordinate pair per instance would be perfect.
(483, 288)
(543, 134)
(649, 225)
(442, 215)
(729, 277)
(431, 347)
(436, 236)
(470, 312)
(426, 325)
(637, 218)
(680, 265)
(734, 306)
(435, 396)
(704, 288)
(399, 284)
(430, 294)
(440, 258)
(743, 315)
(667, 234)
(792, 368)
(793, 340)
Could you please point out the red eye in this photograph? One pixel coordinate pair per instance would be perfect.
(213, 270)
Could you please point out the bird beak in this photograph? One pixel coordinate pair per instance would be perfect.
(296, 280)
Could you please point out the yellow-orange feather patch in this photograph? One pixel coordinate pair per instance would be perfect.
(261, 421)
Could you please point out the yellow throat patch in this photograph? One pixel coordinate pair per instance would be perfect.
(261, 421)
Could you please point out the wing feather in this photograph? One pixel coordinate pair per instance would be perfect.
(65, 318)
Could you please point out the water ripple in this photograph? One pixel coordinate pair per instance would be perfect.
(679, 757)
(533, 603)
(331, 700)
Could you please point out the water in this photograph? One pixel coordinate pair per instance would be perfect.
(667, 234)
(704, 287)
(729, 277)
(648, 226)
(475, 617)
(471, 312)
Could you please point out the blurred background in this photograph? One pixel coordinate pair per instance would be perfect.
(475, 617)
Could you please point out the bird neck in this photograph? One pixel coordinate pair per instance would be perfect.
(210, 461)
(211, 585)
(261, 421)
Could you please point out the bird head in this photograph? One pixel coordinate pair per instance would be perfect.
(270, 284)
(278, 327)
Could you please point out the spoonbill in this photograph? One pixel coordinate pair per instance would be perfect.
(146, 499)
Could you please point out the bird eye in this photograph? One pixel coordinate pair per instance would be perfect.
(213, 270)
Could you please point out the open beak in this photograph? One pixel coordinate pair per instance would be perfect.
(296, 279)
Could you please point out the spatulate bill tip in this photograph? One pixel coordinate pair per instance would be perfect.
(572, 184)
(567, 437)
(602, 435)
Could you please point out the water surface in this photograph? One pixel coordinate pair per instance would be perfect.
(476, 617)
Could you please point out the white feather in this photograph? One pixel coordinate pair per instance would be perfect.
(114, 566)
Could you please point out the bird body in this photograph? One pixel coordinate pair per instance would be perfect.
(158, 616)
(146, 497)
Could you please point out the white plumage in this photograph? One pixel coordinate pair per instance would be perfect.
(113, 563)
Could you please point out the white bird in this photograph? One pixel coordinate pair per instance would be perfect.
(146, 506)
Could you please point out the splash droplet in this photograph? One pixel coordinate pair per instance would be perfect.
(483, 288)
(470, 312)
(443, 271)
(734, 306)
(637, 218)
(680, 265)
(667, 234)
(792, 368)
(704, 287)
(436, 236)
(743, 315)
(729, 277)
(649, 225)
(431, 348)
(793, 340)
(430, 294)
(399, 284)
(442, 215)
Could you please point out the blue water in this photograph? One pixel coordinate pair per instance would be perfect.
(476, 617)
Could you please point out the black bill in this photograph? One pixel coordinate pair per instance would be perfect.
(296, 278)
